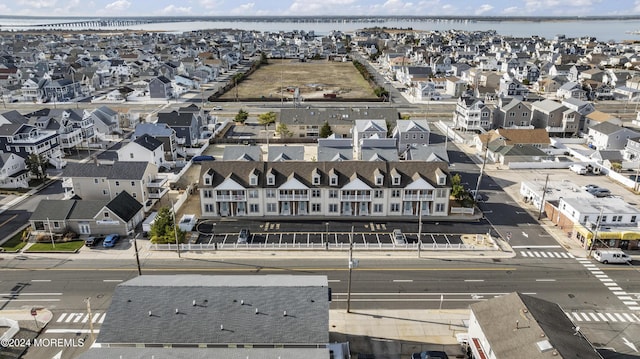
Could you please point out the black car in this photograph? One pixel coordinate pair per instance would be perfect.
(430, 354)
(92, 241)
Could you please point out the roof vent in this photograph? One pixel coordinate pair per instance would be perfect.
(149, 313)
(194, 303)
(285, 313)
(257, 311)
(242, 302)
(177, 311)
(544, 346)
(221, 326)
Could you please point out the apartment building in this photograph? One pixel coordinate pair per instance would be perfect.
(324, 189)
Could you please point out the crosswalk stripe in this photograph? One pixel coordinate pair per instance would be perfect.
(595, 317)
(636, 319)
(628, 317)
(524, 254)
(85, 318)
(613, 319)
(576, 316)
(559, 255)
(102, 319)
(571, 255)
(61, 318)
(619, 317)
(78, 317)
(586, 317)
(602, 316)
(96, 317)
(630, 302)
(544, 254)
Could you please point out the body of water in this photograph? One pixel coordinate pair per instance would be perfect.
(603, 30)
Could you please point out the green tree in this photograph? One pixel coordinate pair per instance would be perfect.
(267, 118)
(325, 130)
(457, 190)
(381, 92)
(283, 131)
(241, 116)
(162, 229)
(37, 165)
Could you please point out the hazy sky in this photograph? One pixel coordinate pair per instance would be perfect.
(317, 7)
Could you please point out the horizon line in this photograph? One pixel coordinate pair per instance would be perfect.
(464, 17)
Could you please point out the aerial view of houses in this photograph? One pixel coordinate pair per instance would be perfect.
(221, 182)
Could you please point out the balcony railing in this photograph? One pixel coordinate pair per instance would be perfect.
(157, 182)
(415, 197)
(158, 194)
(293, 197)
(234, 198)
(360, 197)
(555, 129)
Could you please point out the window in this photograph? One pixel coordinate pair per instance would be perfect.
(377, 208)
(604, 218)
(105, 192)
(379, 180)
(117, 183)
(130, 155)
(271, 193)
(441, 193)
(439, 207)
(253, 181)
(333, 193)
(254, 208)
(207, 181)
(395, 207)
(271, 180)
(378, 193)
(315, 207)
(208, 207)
(207, 193)
(396, 180)
(633, 219)
(272, 207)
(333, 208)
(316, 180)
(253, 193)
(133, 183)
(105, 214)
(134, 195)
(334, 180)
(95, 180)
(56, 224)
(315, 193)
(395, 193)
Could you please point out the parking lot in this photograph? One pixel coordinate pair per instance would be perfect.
(333, 239)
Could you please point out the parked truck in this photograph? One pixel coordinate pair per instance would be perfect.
(613, 255)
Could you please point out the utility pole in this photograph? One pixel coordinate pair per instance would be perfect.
(635, 184)
(351, 264)
(595, 233)
(135, 246)
(420, 217)
(544, 192)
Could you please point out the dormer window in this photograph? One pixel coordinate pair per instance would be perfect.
(316, 177)
(334, 180)
(271, 179)
(396, 180)
(253, 181)
(441, 177)
(379, 179)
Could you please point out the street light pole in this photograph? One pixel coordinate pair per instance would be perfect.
(484, 163)
(135, 246)
(544, 192)
(350, 271)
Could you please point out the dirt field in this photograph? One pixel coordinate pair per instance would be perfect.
(312, 78)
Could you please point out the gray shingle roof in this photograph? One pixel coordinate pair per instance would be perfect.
(285, 153)
(231, 301)
(242, 153)
(498, 317)
(148, 142)
(53, 209)
(206, 353)
(85, 209)
(153, 129)
(118, 170)
(606, 128)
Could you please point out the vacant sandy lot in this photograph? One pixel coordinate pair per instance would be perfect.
(313, 79)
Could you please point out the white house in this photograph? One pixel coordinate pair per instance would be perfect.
(608, 136)
(13, 172)
(145, 148)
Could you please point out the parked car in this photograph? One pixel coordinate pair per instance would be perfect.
(92, 241)
(217, 108)
(110, 240)
(589, 187)
(600, 192)
(202, 158)
(614, 255)
(243, 236)
(398, 237)
(579, 169)
(431, 354)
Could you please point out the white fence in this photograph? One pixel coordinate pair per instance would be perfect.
(462, 210)
(184, 247)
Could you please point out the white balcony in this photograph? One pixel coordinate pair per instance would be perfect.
(293, 197)
(358, 198)
(234, 198)
(181, 141)
(157, 182)
(158, 193)
(415, 197)
(555, 129)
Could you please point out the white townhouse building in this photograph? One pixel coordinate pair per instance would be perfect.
(324, 189)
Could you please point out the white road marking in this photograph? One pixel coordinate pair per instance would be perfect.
(545, 280)
(474, 280)
(112, 280)
(403, 280)
(553, 246)
(67, 331)
(41, 280)
(611, 317)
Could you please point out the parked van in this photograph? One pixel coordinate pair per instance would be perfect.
(611, 256)
(579, 169)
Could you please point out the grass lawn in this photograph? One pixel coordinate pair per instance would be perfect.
(313, 79)
(14, 244)
(71, 246)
